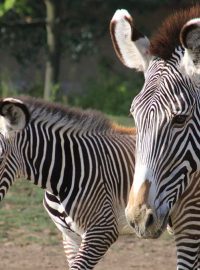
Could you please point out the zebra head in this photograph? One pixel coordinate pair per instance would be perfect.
(166, 113)
(14, 116)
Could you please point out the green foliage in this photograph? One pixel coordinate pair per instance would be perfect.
(18, 6)
(81, 23)
(6, 6)
(6, 86)
(36, 90)
(78, 27)
(80, 44)
(110, 92)
(17, 33)
(54, 92)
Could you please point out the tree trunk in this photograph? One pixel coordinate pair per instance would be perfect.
(53, 48)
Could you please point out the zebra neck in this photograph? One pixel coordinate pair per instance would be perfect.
(9, 168)
(49, 155)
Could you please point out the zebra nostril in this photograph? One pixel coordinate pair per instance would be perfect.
(170, 222)
(132, 224)
(149, 220)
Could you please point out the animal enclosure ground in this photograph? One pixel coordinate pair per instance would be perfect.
(127, 253)
(29, 240)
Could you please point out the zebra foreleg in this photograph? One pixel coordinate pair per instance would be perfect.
(71, 241)
(199, 258)
(187, 253)
(92, 249)
(71, 244)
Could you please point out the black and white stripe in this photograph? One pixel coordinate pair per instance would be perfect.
(171, 151)
(167, 117)
(85, 164)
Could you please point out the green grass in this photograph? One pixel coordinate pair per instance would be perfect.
(23, 219)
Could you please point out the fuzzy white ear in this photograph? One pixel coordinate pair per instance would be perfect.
(190, 40)
(131, 47)
(15, 114)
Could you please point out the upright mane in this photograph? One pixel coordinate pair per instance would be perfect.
(78, 119)
(72, 117)
(166, 39)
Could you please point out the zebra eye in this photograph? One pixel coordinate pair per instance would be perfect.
(179, 119)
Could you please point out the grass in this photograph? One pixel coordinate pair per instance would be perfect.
(23, 219)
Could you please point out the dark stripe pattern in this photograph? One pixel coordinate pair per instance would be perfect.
(171, 150)
(85, 165)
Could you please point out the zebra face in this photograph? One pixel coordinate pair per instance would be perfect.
(14, 116)
(165, 162)
(167, 114)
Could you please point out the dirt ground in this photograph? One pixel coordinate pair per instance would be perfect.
(127, 253)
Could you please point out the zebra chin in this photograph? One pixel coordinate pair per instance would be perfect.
(148, 234)
(145, 223)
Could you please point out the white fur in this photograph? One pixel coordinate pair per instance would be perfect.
(192, 51)
(135, 54)
(142, 174)
(120, 14)
(193, 21)
(9, 110)
(3, 127)
(14, 100)
(187, 66)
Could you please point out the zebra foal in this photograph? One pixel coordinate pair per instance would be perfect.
(83, 161)
(166, 112)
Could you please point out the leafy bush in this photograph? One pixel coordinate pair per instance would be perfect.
(110, 92)
(7, 88)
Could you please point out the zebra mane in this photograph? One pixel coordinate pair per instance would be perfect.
(166, 39)
(78, 119)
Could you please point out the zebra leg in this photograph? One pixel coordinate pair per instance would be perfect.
(93, 247)
(198, 258)
(187, 253)
(71, 241)
(71, 244)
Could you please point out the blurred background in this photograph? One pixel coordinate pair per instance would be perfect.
(61, 50)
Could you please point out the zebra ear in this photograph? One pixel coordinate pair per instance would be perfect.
(131, 47)
(190, 40)
(15, 113)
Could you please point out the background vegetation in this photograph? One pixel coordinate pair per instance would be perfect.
(61, 50)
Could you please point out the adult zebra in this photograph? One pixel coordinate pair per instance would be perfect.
(83, 161)
(166, 113)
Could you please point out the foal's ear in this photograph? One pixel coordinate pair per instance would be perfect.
(190, 40)
(131, 47)
(15, 113)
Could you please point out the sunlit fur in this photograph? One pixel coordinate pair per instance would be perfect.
(131, 46)
(86, 165)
